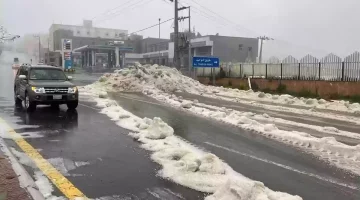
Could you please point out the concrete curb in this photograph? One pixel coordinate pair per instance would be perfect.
(26, 181)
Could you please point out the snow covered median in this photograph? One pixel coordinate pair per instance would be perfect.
(286, 99)
(159, 81)
(338, 154)
(183, 162)
(153, 77)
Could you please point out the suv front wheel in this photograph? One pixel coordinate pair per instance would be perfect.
(72, 105)
(17, 99)
(29, 105)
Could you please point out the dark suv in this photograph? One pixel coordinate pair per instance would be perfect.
(44, 85)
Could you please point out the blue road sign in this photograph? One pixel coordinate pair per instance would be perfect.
(210, 62)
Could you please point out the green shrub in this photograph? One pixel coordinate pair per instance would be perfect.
(281, 88)
(243, 87)
(254, 86)
(267, 90)
(355, 98)
(307, 94)
(352, 99)
(220, 74)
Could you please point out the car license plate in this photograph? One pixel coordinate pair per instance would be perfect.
(56, 97)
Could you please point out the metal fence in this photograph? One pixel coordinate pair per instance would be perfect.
(329, 68)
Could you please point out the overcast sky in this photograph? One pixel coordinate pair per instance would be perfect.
(298, 26)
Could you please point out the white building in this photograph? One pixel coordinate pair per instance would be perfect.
(83, 35)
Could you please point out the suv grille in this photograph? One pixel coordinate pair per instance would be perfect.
(56, 90)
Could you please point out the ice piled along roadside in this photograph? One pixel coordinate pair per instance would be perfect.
(181, 161)
(139, 77)
(286, 99)
(311, 111)
(338, 154)
(156, 81)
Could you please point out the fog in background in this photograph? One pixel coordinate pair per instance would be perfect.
(317, 27)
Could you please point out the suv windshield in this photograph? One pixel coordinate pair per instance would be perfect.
(47, 74)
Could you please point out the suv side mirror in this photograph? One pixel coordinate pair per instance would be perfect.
(70, 78)
(22, 77)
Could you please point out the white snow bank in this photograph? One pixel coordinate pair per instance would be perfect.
(285, 99)
(339, 154)
(235, 190)
(184, 163)
(309, 112)
(150, 78)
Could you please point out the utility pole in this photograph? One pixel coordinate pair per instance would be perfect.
(262, 38)
(159, 39)
(189, 37)
(176, 32)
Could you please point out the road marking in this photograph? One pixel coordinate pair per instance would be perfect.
(130, 98)
(64, 185)
(144, 101)
(354, 187)
(90, 107)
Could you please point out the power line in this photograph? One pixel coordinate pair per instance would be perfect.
(109, 10)
(223, 17)
(119, 12)
(216, 18)
(155, 25)
(123, 10)
(237, 26)
(206, 16)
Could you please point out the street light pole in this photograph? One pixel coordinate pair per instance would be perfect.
(159, 41)
(190, 63)
(262, 38)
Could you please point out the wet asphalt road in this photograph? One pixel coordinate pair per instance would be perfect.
(116, 167)
(119, 169)
(279, 166)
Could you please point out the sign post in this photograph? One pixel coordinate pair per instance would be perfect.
(207, 62)
(67, 54)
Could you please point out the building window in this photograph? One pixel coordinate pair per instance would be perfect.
(107, 34)
(88, 32)
(241, 47)
(78, 32)
(116, 34)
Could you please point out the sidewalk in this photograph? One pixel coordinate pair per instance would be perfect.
(9, 183)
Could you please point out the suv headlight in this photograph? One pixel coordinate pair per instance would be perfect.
(72, 90)
(38, 89)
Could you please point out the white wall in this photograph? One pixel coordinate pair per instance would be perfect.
(92, 32)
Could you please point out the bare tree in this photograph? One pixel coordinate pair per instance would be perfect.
(5, 36)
